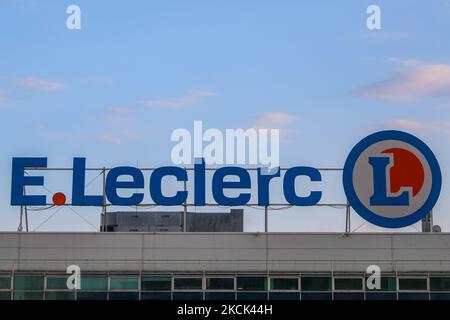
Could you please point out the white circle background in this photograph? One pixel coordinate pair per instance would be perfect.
(363, 180)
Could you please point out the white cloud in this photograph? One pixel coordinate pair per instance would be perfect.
(190, 98)
(40, 84)
(421, 82)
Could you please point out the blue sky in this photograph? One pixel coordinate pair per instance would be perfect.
(114, 90)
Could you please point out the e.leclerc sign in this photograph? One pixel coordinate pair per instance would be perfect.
(391, 178)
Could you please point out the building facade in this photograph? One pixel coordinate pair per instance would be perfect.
(172, 221)
(196, 266)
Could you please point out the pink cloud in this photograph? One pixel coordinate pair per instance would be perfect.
(117, 115)
(432, 126)
(421, 82)
(118, 138)
(40, 84)
(273, 120)
(190, 98)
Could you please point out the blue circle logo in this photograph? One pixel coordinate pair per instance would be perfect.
(392, 179)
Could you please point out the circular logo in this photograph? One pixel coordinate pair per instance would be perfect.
(392, 179)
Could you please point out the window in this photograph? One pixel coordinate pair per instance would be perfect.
(440, 296)
(60, 295)
(284, 296)
(92, 296)
(316, 283)
(5, 283)
(187, 283)
(348, 284)
(220, 283)
(124, 283)
(251, 284)
(94, 283)
(251, 296)
(349, 296)
(386, 284)
(219, 296)
(381, 296)
(156, 283)
(412, 284)
(440, 283)
(413, 296)
(5, 295)
(57, 283)
(283, 284)
(156, 295)
(316, 296)
(127, 295)
(28, 282)
(28, 295)
(188, 296)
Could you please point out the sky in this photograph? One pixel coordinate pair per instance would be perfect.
(114, 90)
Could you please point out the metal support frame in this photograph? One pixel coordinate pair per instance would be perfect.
(185, 209)
(103, 171)
(103, 228)
(348, 226)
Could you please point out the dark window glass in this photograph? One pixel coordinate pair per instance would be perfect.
(440, 283)
(156, 296)
(220, 296)
(188, 296)
(316, 283)
(60, 295)
(381, 296)
(251, 284)
(55, 283)
(92, 296)
(124, 283)
(220, 283)
(283, 284)
(127, 295)
(156, 283)
(315, 296)
(349, 296)
(94, 283)
(5, 282)
(28, 295)
(386, 284)
(412, 284)
(251, 296)
(187, 283)
(413, 296)
(5, 295)
(440, 296)
(348, 283)
(284, 296)
(28, 282)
